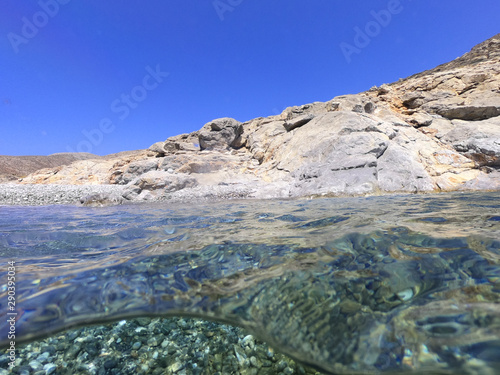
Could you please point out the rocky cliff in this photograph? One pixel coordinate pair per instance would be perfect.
(435, 131)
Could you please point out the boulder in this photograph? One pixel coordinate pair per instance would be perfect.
(298, 122)
(420, 119)
(352, 103)
(265, 137)
(478, 140)
(160, 181)
(221, 133)
(136, 169)
(292, 112)
(158, 149)
(472, 112)
(161, 149)
(101, 199)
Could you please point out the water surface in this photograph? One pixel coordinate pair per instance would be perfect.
(404, 284)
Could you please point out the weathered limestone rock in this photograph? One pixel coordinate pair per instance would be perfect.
(159, 182)
(399, 170)
(298, 121)
(135, 169)
(293, 112)
(478, 140)
(466, 110)
(320, 180)
(173, 145)
(435, 131)
(419, 119)
(158, 149)
(353, 103)
(345, 139)
(265, 137)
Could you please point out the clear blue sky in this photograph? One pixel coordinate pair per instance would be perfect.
(108, 76)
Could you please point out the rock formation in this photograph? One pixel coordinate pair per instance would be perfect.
(15, 167)
(435, 131)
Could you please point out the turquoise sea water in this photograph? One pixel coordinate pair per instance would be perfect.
(403, 284)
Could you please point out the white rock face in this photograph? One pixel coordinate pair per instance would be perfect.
(435, 131)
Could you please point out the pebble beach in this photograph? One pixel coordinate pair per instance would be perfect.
(39, 195)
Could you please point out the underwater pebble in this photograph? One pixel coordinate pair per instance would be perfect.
(253, 362)
(51, 349)
(266, 363)
(110, 363)
(73, 335)
(153, 341)
(249, 341)
(35, 365)
(281, 365)
(406, 294)
(164, 343)
(240, 355)
(270, 352)
(4, 360)
(143, 321)
(174, 346)
(43, 357)
(141, 330)
(175, 367)
(49, 368)
(136, 345)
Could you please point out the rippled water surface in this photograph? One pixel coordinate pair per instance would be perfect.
(401, 284)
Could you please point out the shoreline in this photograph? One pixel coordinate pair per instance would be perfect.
(32, 195)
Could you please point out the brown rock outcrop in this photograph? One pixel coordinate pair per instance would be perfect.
(91, 171)
(15, 167)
